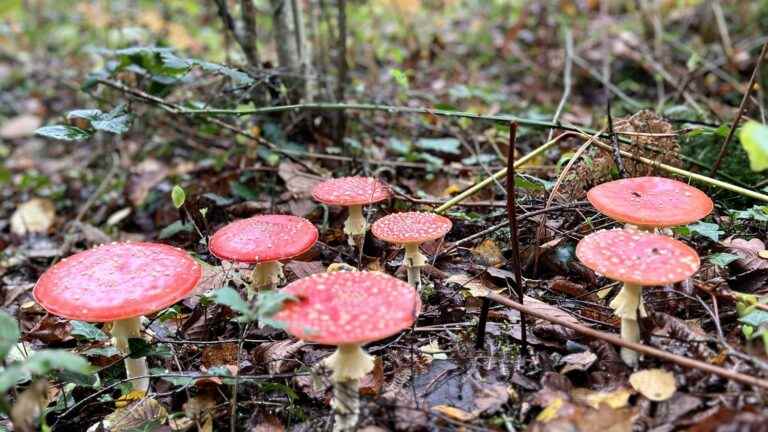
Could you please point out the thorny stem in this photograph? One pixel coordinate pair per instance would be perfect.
(122, 330)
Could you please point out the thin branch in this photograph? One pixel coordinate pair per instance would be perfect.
(514, 239)
(742, 105)
(643, 349)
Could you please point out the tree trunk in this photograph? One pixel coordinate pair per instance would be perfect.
(293, 51)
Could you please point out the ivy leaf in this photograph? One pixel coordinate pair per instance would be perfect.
(756, 318)
(444, 145)
(229, 297)
(63, 132)
(722, 259)
(87, 331)
(44, 361)
(9, 333)
(178, 196)
(709, 230)
(754, 140)
(117, 121)
(88, 114)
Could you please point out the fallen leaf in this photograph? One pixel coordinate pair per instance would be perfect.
(279, 357)
(453, 413)
(550, 411)
(580, 361)
(302, 269)
(138, 415)
(752, 253)
(20, 126)
(298, 182)
(219, 355)
(618, 398)
(488, 253)
(34, 216)
(145, 176)
(336, 267)
(655, 384)
(490, 398)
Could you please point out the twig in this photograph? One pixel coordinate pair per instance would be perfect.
(514, 240)
(614, 138)
(567, 77)
(644, 349)
(498, 175)
(742, 105)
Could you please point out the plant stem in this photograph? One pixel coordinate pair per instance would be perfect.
(125, 329)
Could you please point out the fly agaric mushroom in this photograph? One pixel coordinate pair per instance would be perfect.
(411, 229)
(264, 241)
(637, 259)
(650, 202)
(348, 310)
(352, 192)
(119, 283)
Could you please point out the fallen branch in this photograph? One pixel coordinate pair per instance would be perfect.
(643, 349)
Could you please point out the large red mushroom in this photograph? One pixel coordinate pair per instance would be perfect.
(638, 259)
(119, 283)
(348, 310)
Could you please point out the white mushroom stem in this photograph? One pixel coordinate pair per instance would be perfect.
(414, 261)
(265, 276)
(355, 225)
(626, 305)
(125, 329)
(349, 364)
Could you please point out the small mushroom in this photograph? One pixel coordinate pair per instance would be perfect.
(650, 202)
(264, 240)
(352, 192)
(348, 310)
(638, 259)
(411, 229)
(119, 283)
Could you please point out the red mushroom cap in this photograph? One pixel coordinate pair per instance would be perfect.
(263, 238)
(411, 227)
(637, 257)
(650, 201)
(348, 308)
(348, 191)
(117, 281)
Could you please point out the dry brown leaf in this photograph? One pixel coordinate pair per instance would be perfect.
(136, 415)
(490, 398)
(655, 384)
(278, 356)
(20, 126)
(220, 355)
(580, 361)
(752, 253)
(146, 175)
(488, 253)
(454, 413)
(297, 181)
(200, 408)
(34, 216)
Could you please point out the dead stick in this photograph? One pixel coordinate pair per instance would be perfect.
(512, 216)
(644, 349)
(743, 104)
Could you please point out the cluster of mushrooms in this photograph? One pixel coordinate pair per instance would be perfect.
(119, 283)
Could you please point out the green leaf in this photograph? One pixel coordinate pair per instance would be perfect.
(63, 132)
(88, 114)
(87, 331)
(243, 191)
(756, 213)
(445, 145)
(754, 140)
(44, 361)
(9, 333)
(270, 302)
(756, 318)
(178, 196)
(229, 297)
(139, 348)
(117, 121)
(722, 259)
(11, 376)
(175, 228)
(400, 77)
(709, 230)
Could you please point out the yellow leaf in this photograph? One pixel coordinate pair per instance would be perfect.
(126, 399)
(452, 188)
(754, 140)
(550, 412)
(453, 413)
(488, 253)
(655, 384)
(615, 399)
(34, 216)
(337, 267)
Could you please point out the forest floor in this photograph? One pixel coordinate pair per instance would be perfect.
(675, 77)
